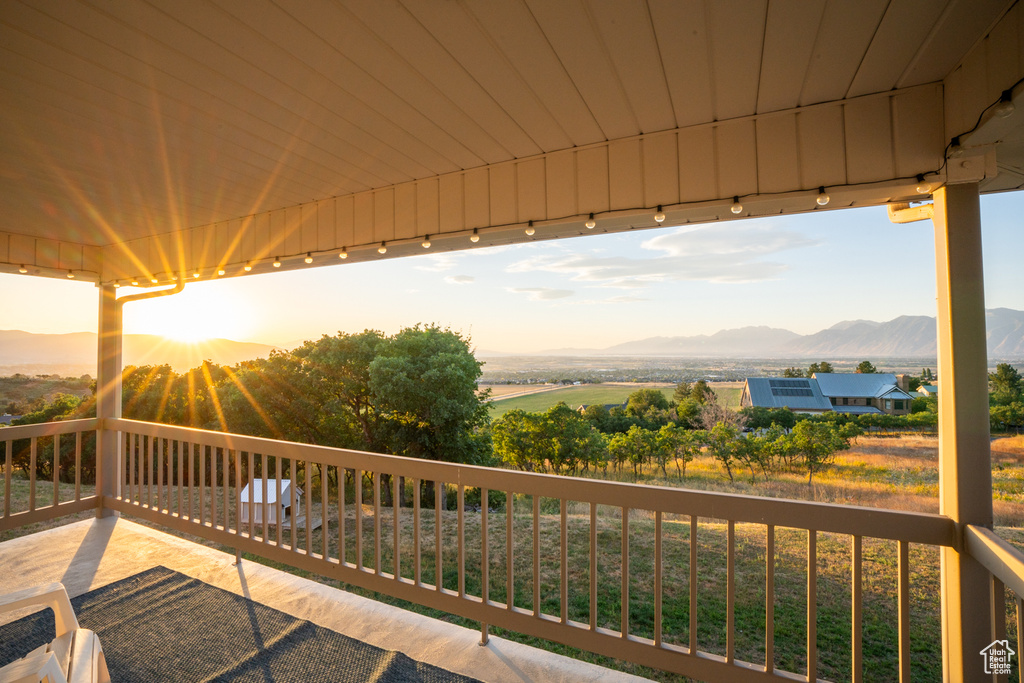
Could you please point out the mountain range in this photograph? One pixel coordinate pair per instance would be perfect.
(907, 336)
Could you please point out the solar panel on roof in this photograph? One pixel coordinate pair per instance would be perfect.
(791, 392)
(790, 384)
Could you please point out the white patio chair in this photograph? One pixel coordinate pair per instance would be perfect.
(74, 656)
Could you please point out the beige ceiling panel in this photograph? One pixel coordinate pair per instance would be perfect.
(462, 36)
(310, 229)
(968, 93)
(345, 220)
(681, 29)
(778, 162)
(5, 252)
(736, 157)
(47, 253)
(428, 205)
(1003, 50)
(202, 249)
(363, 218)
(22, 249)
(560, 182)
(263, 247)
(364, 63)
(248, 230)
(530, 194)
(843, 39)
(905, 26)
(697, 168)
(917, 130)
(452, 203)
(326, 237)
(407, 36)
(592, 179)
(384, 214)
(183, 246)
(478, 197)
(405, 212)
(502, 188)
(737, 36)
(581, 51)
(869, 153)
(661, 168)
(514, 30)
(92, 259)
(293, 230)
(626, 31)
(72, 257)
(788, 45)
(625, 175)
(821, 141)
(954, 34)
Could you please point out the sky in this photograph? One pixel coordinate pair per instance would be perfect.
(802, 273)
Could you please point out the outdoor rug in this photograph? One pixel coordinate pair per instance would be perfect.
(164, 626)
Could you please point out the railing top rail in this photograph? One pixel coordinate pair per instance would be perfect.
(48, 429)
(997, 556)
(914, 527)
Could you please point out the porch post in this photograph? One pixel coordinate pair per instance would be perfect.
(108, 395)
(965, 476)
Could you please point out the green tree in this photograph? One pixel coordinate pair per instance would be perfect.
(822, 367)
(702, 393)
(793, 372)
(515, 437)
(722, 445)
(817, 442)
(1007, 385)
(682, 392)
(638, 446)
(640, 402)
(866, 368)
(680, 445)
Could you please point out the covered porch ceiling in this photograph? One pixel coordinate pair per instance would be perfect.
(147, 141)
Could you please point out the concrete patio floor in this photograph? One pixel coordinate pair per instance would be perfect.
(92, 553)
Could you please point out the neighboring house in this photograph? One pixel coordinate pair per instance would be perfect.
(822, 392)
(7, 419)
(799, 395)
(928, 390)
(865, 393)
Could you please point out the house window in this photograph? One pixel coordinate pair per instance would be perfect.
(899, 404)
(888, 404)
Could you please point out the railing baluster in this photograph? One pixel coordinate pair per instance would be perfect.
(730, 594)
(78, 468)
(593, 566)
(460, 515)
(856, 611)
(998, 609)
(250, 506)
(56, 469)
(159, 457)
(376, 523)
(8, 473)
(563, 596)
(693, 584)
(278, 501)
(181, 478)
(536, 555)
(769, 599)
(293, 528)
(324, 525)
(149, 471)
(226, 488)
(357, 477)
(812, 605)
(202, 485)
(904, 610)
(309, 508)
(417, 575)
(396, 520)
(657, 578)
(238, 493)
(438, 488)
(509, 556)
(32, 475)
(485, 556)
(624, 625)
(213, 486)
(342, 472)
(264, 522)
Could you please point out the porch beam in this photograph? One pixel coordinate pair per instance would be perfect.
(108, 396)
(965, 477)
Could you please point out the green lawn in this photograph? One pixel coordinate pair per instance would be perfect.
(588, 394)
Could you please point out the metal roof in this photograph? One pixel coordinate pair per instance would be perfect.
(857, 410)
(855, 385)
(795, 394)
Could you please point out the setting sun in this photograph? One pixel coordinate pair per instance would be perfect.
(196, 314)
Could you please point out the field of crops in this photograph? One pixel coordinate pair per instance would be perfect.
(608, 393)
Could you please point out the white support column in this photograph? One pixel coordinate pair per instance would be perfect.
(108, 394)
(965, 474)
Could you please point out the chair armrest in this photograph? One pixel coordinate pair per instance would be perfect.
(37, 666)
(51, 595)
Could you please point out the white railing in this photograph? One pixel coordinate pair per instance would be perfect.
(1006, 564)
(497, 574)
(60, 447)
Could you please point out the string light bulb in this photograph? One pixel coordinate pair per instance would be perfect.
(590, 222)
(247, 267)
(277, 262)
(1005, 106)
(660, 216)
(174, 277)
(22, 269)
(135, 283)
(736, 206)
(956, 150)
(426, 241)
(529, 228)
(309, 257)
(475, 237)
(220, 271)
(116, 284)
(195, 273)
(343, 254)
(152, 279)
(71, 275)
(922, 186)
(823, 198)
(383, 248)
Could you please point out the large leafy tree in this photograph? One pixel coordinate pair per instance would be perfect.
(865, 367)
(1007, 384)
(822, 367)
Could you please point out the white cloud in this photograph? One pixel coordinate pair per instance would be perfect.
(542, 293)
(437, 263)
(460, 279)
(726, 252)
